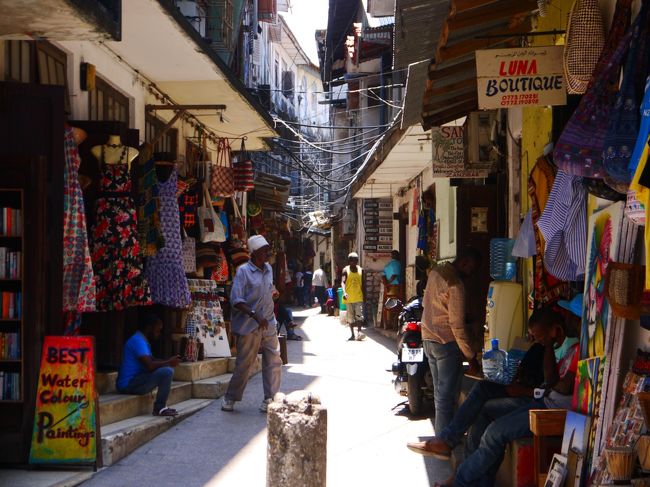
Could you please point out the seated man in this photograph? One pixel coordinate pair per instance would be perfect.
(560, 363)
(488, 400)
(284, 316)
(141, 373)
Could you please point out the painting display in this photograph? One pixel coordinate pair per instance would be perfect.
(589, 379)
(603, 239)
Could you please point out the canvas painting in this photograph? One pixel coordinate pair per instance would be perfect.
(589, 378)
(576, 433)
(604, 231)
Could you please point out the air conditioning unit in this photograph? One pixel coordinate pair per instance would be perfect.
(480, 140)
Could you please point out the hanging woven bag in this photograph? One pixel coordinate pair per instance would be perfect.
(243, 170)
(222, 179)
(585, 37)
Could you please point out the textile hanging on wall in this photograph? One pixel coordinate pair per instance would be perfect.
(547, 288)
(78, 277)
(207, 323)
(149, 232)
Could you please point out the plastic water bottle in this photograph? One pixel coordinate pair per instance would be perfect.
(495, 364)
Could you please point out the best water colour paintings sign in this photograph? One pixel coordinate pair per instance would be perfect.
(520, 77)
(65, 425)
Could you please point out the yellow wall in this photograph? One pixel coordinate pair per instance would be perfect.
(537, 121)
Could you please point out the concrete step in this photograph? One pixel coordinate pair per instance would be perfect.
(122, 437)
(118, 407)
(212, 387)
(193, 371)
(105, 382)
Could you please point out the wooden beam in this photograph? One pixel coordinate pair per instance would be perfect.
(449, 115)
(460, 68)
(151, 108)
(431, 107)
(491, 12)
(445, 90)
(170, 124)
(460, 6)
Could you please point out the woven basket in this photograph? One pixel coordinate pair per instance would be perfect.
(643, 450)
(585, 38)
(620, 462)
(624, 290)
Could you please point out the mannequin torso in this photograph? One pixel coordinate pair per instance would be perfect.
(113, 152)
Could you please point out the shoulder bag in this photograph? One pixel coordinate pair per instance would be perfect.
(222, 181)
(209, 223)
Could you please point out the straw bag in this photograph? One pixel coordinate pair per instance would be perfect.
(209, 223)
(579, 150)
(585, 37)
(625, 118)
(189, 253)
(243, 170)
(624, 290)
(222, 180)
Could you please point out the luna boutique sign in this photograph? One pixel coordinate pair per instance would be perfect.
(520, 77)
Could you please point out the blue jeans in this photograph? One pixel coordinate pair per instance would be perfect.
(485, 402)
(480, 468)
(445, 361)
(148, 381)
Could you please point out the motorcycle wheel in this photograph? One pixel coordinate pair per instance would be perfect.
(415, 394)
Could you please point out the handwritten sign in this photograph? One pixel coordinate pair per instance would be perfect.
(448, 154)
(520, 77)
(65, 425)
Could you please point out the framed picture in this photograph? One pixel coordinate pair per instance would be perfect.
(556, 472)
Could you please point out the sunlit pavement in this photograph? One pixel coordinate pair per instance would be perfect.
(366, 439)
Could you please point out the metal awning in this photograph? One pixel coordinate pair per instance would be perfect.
(408, 158)
(88, 20)
(450, 91)
(162, 45)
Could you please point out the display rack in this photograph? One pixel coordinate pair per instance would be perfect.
(11, 295)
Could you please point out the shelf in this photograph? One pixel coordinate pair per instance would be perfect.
(12, 320)
(10, 360)
(10, 236)
(11, 401)
(10, 280)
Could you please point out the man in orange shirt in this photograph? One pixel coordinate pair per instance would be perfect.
(445, 338)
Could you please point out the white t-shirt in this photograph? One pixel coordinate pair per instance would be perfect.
(319, 279)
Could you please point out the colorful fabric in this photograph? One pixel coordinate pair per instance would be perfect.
(78, 279)
(187, 204)
(547, 287)
(564, 227)
(149, 231)
(643, 195)
(164, 271)
(114, 240)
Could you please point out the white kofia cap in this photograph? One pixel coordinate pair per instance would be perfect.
(353, 255)
(256, 242)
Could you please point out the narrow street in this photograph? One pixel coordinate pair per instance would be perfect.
(366, 439)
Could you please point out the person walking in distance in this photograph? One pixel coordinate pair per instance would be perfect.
(254, 325)
(352, 285)
(444, 334)
(320, 284)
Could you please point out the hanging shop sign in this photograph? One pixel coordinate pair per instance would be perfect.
(378, 225)
(448, 154)
(66, 429)
(520, 77)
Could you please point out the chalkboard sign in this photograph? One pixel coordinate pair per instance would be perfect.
(66, 429)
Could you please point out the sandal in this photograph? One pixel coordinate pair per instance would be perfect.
(294, 337)
(166, 412)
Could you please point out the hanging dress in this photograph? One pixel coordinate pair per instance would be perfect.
(115, 247)
(78, 279)
(164, 271)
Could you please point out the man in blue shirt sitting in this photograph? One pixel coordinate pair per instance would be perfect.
(141, 373)
(392, 279)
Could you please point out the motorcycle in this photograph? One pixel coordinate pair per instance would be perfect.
(412, 372)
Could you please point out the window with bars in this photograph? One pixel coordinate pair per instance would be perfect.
(168, 143)
(105, 103)
(36, 62)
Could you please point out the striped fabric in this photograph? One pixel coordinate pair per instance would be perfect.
(563, 225)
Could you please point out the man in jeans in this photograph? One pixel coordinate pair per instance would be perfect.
(446, 341)
(254, 325)
(141, 373)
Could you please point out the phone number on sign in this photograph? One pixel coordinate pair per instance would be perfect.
(523, 99)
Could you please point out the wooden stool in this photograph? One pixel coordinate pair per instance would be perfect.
(547, 426)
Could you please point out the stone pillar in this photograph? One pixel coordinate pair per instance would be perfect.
(297, 441)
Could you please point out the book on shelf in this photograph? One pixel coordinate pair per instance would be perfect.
(9, 386)
(10, 221)
(10, 346)
(9, 263)
(10, 305)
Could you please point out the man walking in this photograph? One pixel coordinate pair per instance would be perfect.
(254, 325)
(352, 285)
(320, 283)
(446, 341)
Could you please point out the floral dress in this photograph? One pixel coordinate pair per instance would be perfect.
(164, 271)
(78, 279)
(115, 247)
